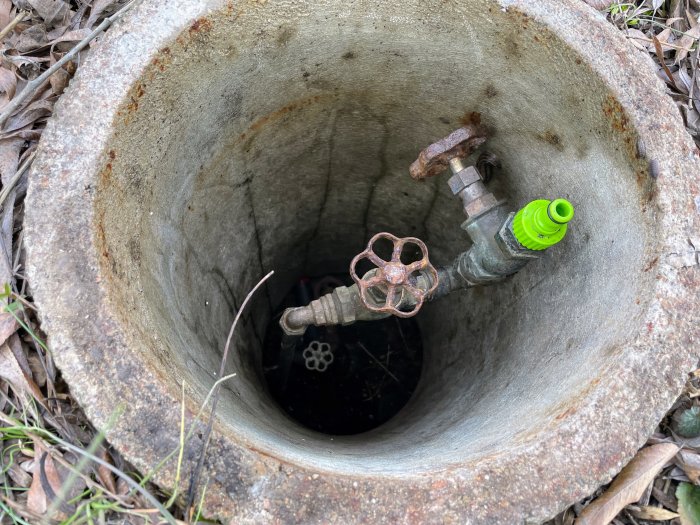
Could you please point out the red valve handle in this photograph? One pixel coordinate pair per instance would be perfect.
(394, 276)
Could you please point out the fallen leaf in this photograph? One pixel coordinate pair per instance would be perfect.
(103, 473)
(67, 41)
(31, 39)
(18, 475)
(54, 12)
(46, 484)
(10, 149)
(690, 463)
(660, 55)
(638, 39)
(664, 39)
(652, 513)
(15, 370)
(30, 114)
(99, 7)
(685, 43)
(5, 8)
(8, 85)
(629, 485)
(688, 503)
(8, 326)
(48, 479)
(667, 500)
(676, 11)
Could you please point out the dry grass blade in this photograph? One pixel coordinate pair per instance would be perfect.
(192, 493)
(629, 485)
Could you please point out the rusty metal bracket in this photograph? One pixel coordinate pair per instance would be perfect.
(394, 278)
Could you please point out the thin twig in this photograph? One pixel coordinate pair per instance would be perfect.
(192, 492)
(35, 84)
(15, 178)
(379, 363)
(650, 41)
(9, 27)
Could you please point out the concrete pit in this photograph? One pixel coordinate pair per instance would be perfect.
(206, 143)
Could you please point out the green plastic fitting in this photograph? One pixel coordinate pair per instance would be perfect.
(542, 223)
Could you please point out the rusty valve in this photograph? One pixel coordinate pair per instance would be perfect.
(394, 277)
(436, 158)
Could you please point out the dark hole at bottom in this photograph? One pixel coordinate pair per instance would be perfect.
(353, 378)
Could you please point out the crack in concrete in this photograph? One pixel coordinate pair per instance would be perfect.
(332, 123)
(258, 242)
(383, 172)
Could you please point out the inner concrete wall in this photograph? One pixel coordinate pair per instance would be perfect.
(280, 139)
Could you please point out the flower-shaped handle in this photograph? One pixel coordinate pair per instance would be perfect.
(393, 277)
(318, 356)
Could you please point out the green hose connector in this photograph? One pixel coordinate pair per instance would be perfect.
(542, 223)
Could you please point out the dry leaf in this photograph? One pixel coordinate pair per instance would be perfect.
(68, 40)
(8, 326)
(48, 478)
(98, 7)
(31, 39)
(37, 368)
(664, 39)
(54, 12)
(18, 475)
(667, 500)
(5, 8)
(15, 370)
(685, 43)
(8, 84)
(652, 513)
(676, 11)
(629, 485)
(660, 55)
(104, 474)
(30, 114)
(10, 149)
(638, 39)
(46, 484)
(690, 463)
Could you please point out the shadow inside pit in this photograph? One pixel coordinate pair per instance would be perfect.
(352, 378)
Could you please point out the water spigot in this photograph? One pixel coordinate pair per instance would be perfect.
(402, 292)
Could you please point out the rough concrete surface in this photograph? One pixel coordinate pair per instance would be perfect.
(207, 142)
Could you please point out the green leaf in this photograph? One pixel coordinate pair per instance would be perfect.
(687, 422)
(688, 503)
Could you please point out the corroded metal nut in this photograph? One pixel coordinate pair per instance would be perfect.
(346, 304)
(463, 179)
(480, 205)
(509, 244)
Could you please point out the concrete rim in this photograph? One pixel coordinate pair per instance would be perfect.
(72, 152)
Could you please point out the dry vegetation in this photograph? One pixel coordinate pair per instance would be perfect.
(53, 463)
